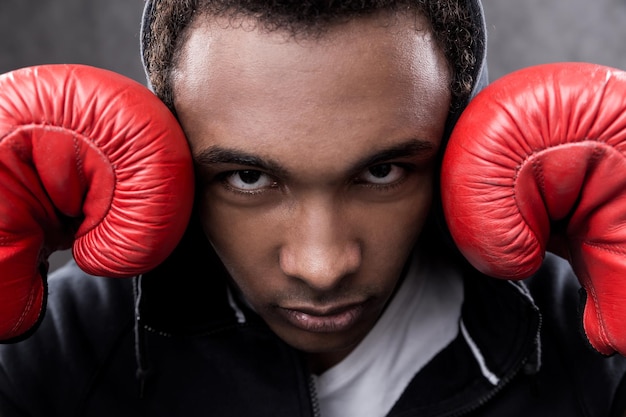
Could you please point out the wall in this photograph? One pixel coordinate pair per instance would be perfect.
(528, 32)
(103, 33)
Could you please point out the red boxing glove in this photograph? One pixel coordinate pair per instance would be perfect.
(89, 158)
(536, 162)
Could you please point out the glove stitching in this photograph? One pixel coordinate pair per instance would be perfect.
(595, 157)
(604, 334)
(25, 312)
(79, 160)
(31, 299)
(538, 174)
(611, 248)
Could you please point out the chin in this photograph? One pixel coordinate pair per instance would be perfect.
(322, 343)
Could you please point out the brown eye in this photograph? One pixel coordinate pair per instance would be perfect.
(248, 180)
(382, 174)
(380, 171)
(249, 177)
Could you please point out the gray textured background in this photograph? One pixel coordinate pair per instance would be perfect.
(105, 33)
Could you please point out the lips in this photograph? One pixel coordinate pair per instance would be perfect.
(323, 320)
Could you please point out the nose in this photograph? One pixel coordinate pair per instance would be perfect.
(320, 249)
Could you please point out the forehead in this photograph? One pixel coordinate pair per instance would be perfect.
(361, 82)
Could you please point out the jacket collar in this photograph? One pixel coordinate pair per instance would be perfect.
(498, 331)
(498, 339)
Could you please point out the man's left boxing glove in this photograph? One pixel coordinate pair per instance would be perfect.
(537, 162)
(90, 160)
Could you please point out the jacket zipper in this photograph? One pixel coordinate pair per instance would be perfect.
(315, 403)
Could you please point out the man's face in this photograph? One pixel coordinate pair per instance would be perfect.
(315, 162)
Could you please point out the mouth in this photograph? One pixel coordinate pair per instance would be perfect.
(323, 320)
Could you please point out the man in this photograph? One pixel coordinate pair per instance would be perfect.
(314, 277)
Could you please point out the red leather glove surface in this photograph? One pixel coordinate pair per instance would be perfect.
(91, 160)
(535, 163)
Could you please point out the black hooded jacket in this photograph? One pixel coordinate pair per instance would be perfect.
(120, 347)
(172, 343)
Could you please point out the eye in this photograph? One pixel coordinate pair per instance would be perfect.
(249, 181)
(382, 174)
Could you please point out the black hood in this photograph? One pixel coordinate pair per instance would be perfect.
(480, 73)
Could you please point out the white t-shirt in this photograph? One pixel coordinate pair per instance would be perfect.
(419, 322)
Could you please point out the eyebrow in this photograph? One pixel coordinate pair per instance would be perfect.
(219, 155)
(407, 149)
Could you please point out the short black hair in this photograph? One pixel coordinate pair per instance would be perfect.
(454, 27)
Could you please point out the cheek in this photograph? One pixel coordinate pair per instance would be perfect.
(394, 229)
(242, 240)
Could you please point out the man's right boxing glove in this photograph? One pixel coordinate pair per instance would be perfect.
(537, 161)
(91, 159)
